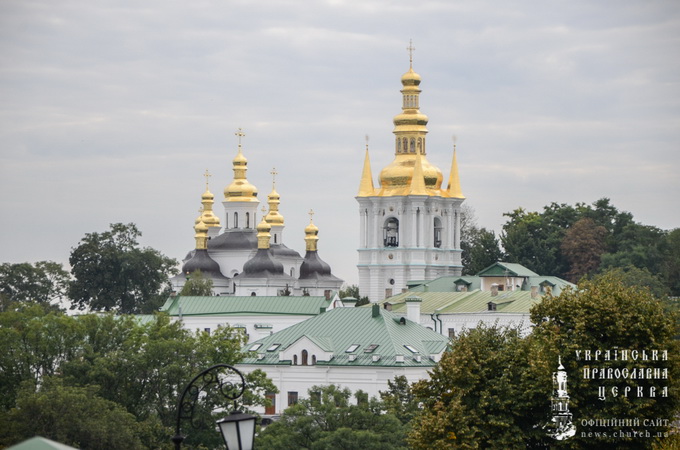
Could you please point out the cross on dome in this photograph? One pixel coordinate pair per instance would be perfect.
(410, 49)
(207, 178)
(311, 215)
(240, 134)
(274, 173)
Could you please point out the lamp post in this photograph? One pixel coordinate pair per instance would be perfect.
(238, 429)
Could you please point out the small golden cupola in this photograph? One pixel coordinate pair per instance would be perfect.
(273, 217)
(410, 131)
(207, 200)
(263, 233)
(201, 235)
(240, 190)
(311, 234)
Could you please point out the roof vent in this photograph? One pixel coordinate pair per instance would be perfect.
(376, 310)
(260, 356)
(352, 357)
(400, 358)
(376, 358)
(491, 306)
(418, 358)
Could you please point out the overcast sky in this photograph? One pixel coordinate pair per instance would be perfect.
(112, 110)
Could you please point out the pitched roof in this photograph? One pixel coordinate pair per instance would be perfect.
(40, 443)
(245, 305)
(501, 268)
(338, 329)
(467, 302)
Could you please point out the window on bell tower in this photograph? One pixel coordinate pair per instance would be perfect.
(391, 232)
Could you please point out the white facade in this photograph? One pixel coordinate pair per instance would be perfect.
(406, 238)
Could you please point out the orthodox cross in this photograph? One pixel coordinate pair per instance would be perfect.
(311, 215)
(367, 142)
(207, 178)
(240, 134)
(410, 49)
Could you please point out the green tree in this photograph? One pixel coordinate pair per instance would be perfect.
(74, 416)
(480, 249)
(44, 282)
(327, 420)
(141, 366)
(670, 271)
(399, 400)
(482, 394)
(112, 273)
(605, 314)
(197, 285)
(353, 292)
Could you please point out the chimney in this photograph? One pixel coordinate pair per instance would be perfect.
(413, 308)
(375, 310)
(534, 291)
(387, 306)
(494, 290)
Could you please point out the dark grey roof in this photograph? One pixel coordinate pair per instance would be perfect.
(263, 264)
(203, 262)
(234, 240)
(281, 250)
(315, 267)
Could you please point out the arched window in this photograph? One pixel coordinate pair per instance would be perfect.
(292, 272)
(437, 232)
(295, 360)
(305, 355)
(235, 220)
(413, 145)
(391, 232)
(247, 220)
(398, 145)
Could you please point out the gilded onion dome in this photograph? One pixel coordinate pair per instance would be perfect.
(201, 235)
(274, 200)
(240, 190)
(311, 235)
(263, 234)
(207, 215)
(410, 131)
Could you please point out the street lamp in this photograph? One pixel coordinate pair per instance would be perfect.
(238, 429)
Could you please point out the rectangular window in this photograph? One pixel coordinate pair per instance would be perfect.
(452, 333)
(388, 293)
(371, 348)
(207, 330)
(411, 348)
(255, 347)
(273, 347)
(292, 398)
(352, 348)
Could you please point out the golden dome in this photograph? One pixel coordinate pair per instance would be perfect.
(240, 190)
(311, 234)
(263, 234)
(410, 78)
(273, 217)
(410, 143)
(207, 216)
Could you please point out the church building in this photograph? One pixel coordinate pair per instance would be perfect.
(410, 225)
(247, 257)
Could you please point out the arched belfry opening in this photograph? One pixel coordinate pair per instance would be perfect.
(437, 232)
(391, 232)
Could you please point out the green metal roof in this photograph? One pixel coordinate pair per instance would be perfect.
(500, 269)
(245, 305)
(467, 302)
(336, 330)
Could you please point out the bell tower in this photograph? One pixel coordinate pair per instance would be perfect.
(410, 225)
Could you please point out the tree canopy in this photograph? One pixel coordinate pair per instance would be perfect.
(197, 285)
(44, 282)
(493, 388)
(139, 364)
(327, 419)
(112, 273)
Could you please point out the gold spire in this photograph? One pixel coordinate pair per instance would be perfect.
(454, 190)
(366, 188)
(274, 199)
(263, 235)
(418, 180)
(311, 234)
(410, 130)
(240, 190)
(207, 199)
